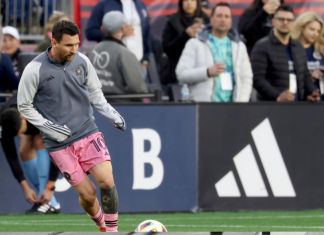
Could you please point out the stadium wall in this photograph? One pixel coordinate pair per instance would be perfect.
(191, 157)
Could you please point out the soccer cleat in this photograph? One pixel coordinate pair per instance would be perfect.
(48, 209)
(54, 209)
(44, 209)
(102, 229)
(33, 209)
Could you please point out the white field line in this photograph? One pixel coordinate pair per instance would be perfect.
(208, 227)
(184, 217)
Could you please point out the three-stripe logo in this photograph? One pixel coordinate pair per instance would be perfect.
(249, 172)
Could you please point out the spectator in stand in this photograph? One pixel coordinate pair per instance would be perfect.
(137, 33)
(279, 64)
(117, 67)
(256, 21)
(216, 65)
(8, 79)
(307, 29)
(11, 46)
(180, 27)
(55, 17)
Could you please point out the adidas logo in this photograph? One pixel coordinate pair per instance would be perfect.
(51, 77)
(249, 171)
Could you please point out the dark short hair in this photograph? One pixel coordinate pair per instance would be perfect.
(286, 8)
(64, 27)
(10, 122)
(220, 4)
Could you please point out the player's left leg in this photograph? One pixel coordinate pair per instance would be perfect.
(96, 159)
(102, 173)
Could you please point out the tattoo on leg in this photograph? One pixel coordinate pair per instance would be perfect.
(109, 200)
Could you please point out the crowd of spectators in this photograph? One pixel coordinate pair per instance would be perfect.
(273, 53)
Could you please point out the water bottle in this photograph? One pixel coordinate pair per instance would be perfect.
(185, 93)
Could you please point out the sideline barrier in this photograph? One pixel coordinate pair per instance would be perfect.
(261, 156)
(191, 157)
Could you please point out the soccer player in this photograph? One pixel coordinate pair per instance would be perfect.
(35, 160)
(56, 94)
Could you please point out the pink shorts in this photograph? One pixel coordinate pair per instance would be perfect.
(78, 158)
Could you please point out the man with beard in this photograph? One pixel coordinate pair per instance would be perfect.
(279, 64)
(215, 64)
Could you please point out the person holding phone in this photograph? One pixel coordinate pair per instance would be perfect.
(255, 23)
(179, 28)
(215, 65)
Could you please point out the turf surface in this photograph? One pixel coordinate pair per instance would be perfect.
(241, 221)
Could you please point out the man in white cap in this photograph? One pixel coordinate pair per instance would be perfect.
(117, 67)
(11, 46)
(9, 81)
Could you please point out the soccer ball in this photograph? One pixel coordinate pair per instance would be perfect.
(151, 226)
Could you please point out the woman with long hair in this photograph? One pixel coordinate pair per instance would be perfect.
(180, 27)
(255, 23)
(308, 29)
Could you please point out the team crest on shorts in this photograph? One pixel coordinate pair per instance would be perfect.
(67, 176)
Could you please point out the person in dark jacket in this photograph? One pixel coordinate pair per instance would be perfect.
(180, 27)
(11, 46)
(8, 79)
(138, 23)
(35, 164)
(279, 64)
(255, 23)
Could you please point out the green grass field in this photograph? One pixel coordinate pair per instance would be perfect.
(241, 221)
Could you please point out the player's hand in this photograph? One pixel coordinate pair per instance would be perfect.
(120, 123)
(46, 196)
(117, 120)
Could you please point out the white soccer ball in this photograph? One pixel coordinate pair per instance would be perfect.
(151, 226)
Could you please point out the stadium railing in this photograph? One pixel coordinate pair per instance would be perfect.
(31, 16)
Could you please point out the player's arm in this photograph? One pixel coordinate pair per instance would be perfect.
(9, 149)
(27, 89)
(98, 99)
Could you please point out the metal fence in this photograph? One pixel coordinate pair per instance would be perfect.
(31, 16)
